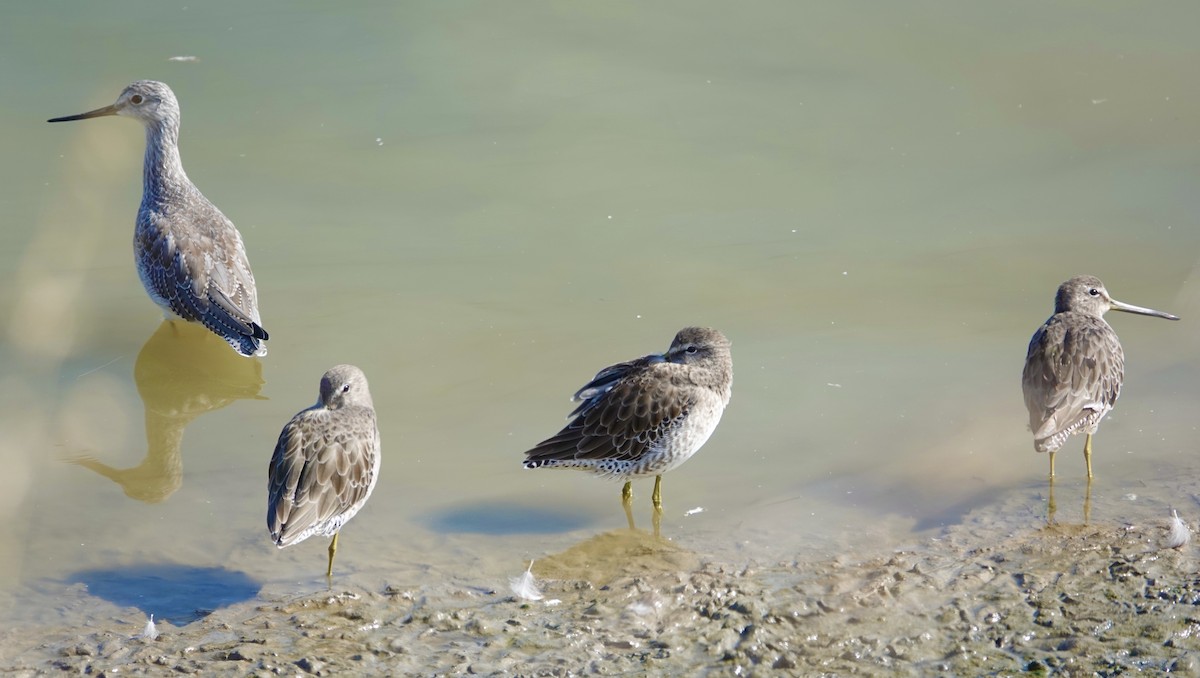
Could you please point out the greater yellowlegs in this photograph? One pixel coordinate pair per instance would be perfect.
(646, 416)
(189, 256)
(325, 463)
(1074, 366)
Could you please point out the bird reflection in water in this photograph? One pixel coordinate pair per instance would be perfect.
(182, 372)
(1052, 505)
(620, 553)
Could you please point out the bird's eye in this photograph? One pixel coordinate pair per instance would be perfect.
(692, 350)
(136, 99)
(345, 388)
(1094, 292)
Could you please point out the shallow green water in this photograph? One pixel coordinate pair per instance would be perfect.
(483, 204)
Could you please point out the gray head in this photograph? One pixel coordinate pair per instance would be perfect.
(150, 101)
(1086, 294)
(699, 346)
(345, 386)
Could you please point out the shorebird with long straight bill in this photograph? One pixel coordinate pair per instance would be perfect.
(646, 416)
(1074, 366)
(189, 256)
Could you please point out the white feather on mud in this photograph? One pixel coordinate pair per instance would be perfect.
(525, 586)
(1178, 535)
(149, 632)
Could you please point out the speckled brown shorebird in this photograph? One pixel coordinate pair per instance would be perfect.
(325, 463)
(189, 256)
(646, 416)
(1074, 366)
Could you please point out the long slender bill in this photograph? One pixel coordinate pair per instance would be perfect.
(1130, 308)
(99, 112)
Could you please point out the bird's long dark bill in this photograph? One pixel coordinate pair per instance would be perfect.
(99, 112)
(1130, 308)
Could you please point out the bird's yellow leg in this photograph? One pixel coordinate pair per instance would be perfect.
(1087, 454)
(1052, 464)
(1051, 505)
(332, 550)
(1087, 502)
(656, 499)
(627, 501)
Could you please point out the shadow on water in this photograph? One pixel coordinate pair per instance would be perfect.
(182, 372)
(930, 506)
(499, 518)
(946, 515)
(180, 594)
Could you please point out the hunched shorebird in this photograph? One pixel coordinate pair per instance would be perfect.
(325, 464)
(646, 416)
(189, 256)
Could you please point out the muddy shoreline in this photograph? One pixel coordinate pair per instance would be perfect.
(1067, 599)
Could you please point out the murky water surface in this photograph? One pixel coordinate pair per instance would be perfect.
(481, 205)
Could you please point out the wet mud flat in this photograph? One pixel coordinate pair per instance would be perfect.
(1104, 598)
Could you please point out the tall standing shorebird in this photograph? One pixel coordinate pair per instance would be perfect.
(189, 256)
(646, 416)
(325, 463)
(1074, 366)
